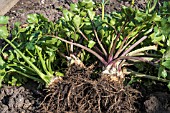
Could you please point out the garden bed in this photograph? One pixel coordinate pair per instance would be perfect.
(78, 91)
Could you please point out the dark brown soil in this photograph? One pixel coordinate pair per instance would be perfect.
(78, 92)
(23, 99)
(50, 8)
(158, 102)
(155, 98)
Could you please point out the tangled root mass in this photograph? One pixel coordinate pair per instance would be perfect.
(78, 93)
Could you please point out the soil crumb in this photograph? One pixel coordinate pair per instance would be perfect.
(158, 102)
(18, 100)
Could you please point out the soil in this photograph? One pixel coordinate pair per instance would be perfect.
(23, 99)
(78, 92)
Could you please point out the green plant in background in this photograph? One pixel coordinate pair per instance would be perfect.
(117, 40)
(162, 38)
(33, 55)
(151, 5)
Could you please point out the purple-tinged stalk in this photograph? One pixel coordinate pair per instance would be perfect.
(114, 66)
(85, 48)
(110, 57)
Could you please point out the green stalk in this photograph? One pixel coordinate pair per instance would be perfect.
(99, 42)
(103, 10)
(149, 7)
(154, 5)
(30, 70)
(48, 61)
(28, 76)
(42, 61)
(8, 44)
(132, 2)
(43, 76)
(146, 76)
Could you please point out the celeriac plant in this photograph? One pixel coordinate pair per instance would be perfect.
(113, 38)
(117, 40)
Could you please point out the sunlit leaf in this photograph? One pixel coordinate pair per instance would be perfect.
(73, 7)
(91, 43)
(75, 36)
(168, 85)
(89, 3)
(167, 54)
(4, 19)
(2, 75)
(57, 73)
(32, 18)
(162, 72)
(3, 32)
(77, 21)
(91, 14)
(83, 13)
(166, 64)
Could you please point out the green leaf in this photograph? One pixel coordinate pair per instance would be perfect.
(168, 85)
(91, 43)
(4, 19)
(88, 31)
(112, 21)
(157, 38)
(32, 18)
(3, 32)
(167, 54)
(2, 70)
(157, 18)
(75, 36)
(2, 75)
(82, 3)
(73, 7)
(83, 13)
(67, 15)
(59, 74)
(162, 72)
(116, 15)
(76, 21)
(168, 19)
(88, 3)
(91, 14)
(166, 64)
(139, 16)
(30, 46)
(2, 62)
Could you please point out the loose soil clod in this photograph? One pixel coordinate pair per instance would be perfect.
(79, 93)
(18, 100)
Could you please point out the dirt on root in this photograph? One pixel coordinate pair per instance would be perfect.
(78, 92)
